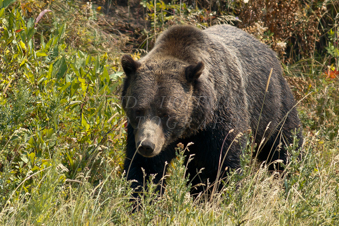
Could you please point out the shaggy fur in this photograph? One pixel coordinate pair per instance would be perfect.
(217, 78)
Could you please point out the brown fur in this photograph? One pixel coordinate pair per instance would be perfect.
(219, 76)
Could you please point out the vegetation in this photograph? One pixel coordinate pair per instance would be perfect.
(62, 128)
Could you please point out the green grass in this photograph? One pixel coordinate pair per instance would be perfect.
(62, 140)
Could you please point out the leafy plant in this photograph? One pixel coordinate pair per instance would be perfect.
(58, 105)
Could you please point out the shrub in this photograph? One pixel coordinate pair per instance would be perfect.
(57, 106)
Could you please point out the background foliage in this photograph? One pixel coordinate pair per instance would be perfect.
(62, 127)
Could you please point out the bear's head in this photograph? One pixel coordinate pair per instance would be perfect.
(159, 99)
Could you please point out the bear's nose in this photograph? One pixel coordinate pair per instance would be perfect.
(146, 149)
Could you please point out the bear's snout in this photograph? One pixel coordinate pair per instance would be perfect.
(149, 138)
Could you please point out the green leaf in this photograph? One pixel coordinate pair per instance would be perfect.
(30, 23)
(41, 54)
(30, 32)
(84, 122)
(68, 78)
(50, 70)
(31, 156)
(2, 12)
(97, 65)
(24, 158)
(75, 86)
(62, 68)
(30, 77)
(116, 75)
(5, 3)
(42, 41)
(65, 87)
(83, 84)
(23, 61)
(74, 69)
(22, 45)
(35, 168)
(48, 45)
(105, 75)
(71, 162)
(30, 46)
(62, 30)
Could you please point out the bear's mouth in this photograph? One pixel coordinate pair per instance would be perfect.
(149, 138)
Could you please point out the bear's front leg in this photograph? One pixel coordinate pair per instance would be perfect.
(139, 168)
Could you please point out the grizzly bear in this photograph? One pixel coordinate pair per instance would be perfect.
(207, 87)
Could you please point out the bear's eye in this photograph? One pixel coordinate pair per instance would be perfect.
(138, 112)
(163, 115)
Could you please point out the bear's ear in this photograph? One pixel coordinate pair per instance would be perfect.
(193, 72)
(129, 65)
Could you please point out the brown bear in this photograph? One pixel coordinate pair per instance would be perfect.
(206, 87)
